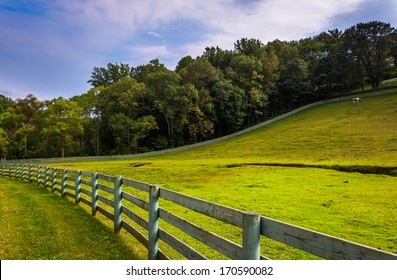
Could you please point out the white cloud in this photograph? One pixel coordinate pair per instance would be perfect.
(227, 20)
(85, 34)
(154, 34)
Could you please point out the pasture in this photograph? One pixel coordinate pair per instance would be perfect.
(360, 207)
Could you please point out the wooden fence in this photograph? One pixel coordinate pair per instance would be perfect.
(105, 194)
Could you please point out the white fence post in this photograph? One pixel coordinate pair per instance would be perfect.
(251, 236)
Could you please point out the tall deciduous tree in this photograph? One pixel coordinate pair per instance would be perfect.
(371, 43)
(62, 118)
(3, 145)
(106, 76)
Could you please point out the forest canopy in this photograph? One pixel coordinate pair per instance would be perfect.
(132, 109)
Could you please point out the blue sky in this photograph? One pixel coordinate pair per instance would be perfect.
(49, 47)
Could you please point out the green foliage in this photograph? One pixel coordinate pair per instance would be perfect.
(3, 144)
(62, 119)
(106, 76)
(371, 43)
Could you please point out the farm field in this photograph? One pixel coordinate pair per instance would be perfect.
(240, 173)
(36, 224)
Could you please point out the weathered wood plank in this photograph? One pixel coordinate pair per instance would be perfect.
(251, 236)
(217, 211)
(137, 201)
(141, 238)
(70, 178)
(218, 243)
(153, 228)
(106, 178)
(106, 200)
(70, 187)
(69, 194)
(85, 191)
(86, 173)
(134, 232)
(137, 219)
(86, 201)
(106, 188)
(85, 182)
(320, 244)
(181, 247)
(118, 190)
(105, 213)
(136, 184)
(57, 190)
(94, 193)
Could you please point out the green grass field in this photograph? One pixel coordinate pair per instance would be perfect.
(36, 224)
(358, 207)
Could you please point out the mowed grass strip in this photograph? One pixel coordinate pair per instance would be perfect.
(36, 224)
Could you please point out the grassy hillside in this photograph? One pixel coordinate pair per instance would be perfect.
(355, 206)
(337, 133)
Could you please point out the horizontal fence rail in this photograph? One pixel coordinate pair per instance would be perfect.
(105, 194)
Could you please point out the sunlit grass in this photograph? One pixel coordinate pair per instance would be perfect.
(36, 224)
(358, 207)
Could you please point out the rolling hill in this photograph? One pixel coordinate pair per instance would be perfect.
(257, 171)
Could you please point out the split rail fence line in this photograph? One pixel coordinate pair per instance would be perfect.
(84, 187)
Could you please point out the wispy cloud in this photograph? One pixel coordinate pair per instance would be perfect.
(59, 42)
(154, 34)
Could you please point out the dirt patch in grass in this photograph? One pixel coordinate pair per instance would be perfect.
(139, 164)
(364, 169)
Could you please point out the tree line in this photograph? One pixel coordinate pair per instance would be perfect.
(149, 107)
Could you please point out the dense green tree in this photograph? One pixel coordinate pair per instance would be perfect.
(89, 103)
(5, 102)
(182, 63)
(62, 119)
(106, 76)
(294, 83)
(229, 106)
(218, 58)
(141, 72)
(120, 112)
(30, 108)
(3, 145)
(246, 73)
(14, 130)
(169, 97)
(371, 43)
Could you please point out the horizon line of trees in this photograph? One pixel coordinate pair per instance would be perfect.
(149, 107)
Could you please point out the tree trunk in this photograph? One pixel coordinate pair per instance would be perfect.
(62, 146)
